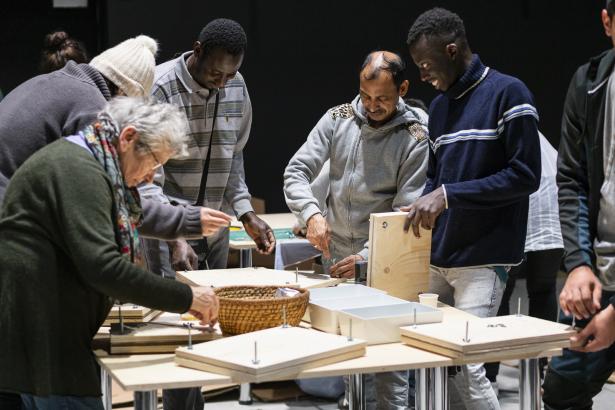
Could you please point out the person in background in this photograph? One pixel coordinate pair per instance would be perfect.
(49, 106)
(376, 148)
(70, 247)
(544, 249)
(206, 84)
(586, 182)
(58, 49)
(484, 162)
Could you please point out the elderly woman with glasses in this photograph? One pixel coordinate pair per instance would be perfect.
(69, 247)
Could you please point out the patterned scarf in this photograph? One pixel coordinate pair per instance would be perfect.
(99, 138)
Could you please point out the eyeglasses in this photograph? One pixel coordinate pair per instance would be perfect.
(158, 163)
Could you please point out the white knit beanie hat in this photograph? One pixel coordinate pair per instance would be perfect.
(129, 65)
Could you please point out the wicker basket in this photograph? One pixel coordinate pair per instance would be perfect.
(246, 309)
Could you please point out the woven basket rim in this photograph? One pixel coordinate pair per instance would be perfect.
(303, 294)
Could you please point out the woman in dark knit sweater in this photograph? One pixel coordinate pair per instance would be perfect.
(70, 247)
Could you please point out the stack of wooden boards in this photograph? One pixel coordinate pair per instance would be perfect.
(398, 261)
(130, 314)
(158, 337)
(280, 353)
(255, 277)
(494, 338)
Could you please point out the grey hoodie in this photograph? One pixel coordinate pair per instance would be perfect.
(371, 170)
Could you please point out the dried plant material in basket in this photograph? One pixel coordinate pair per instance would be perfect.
(246, 309)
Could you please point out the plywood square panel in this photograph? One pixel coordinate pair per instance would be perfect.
(398, 261)
(278, 349)
(487, 334)
(255, 277)
(131, 314)
(163, 335)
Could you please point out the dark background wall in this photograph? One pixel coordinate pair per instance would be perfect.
(303, 56)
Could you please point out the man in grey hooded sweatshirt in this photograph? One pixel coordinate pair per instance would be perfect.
(377, 149)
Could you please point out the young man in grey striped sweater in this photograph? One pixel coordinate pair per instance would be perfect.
(206, 84)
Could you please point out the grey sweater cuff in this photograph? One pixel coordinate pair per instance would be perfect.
(192, 223)
(168, 222)
(308, 211)
(364, 253)
(242, 207)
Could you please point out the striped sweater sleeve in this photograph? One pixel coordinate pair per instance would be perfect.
(518, 132)
(236, 192)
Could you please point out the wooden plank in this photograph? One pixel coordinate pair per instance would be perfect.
(498, 354)
(140, 318)
(489, 333)
(286, 373)
(398, 261)
(129, 310)
(155, 338)
(255, 277)
(156, 371)
(278, 348)
(147, 372)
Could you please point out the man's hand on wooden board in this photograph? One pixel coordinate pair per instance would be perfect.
(598, 334)
(424, 211)
(319, 234)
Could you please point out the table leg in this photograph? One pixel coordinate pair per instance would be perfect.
(529, 384)
(245, 397)
(146, 400)
(105, 387)
(245, 258)
(356, 392)
(245, 261)
(438, 388)
(421, 389)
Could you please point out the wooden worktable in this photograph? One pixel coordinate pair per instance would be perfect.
(150, 372)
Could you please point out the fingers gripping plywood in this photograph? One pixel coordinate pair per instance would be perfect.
(398, 261)
(279, 350)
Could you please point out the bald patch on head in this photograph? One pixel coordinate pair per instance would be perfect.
(383, 62)
(378, 61)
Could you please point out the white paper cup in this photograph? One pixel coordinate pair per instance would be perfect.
(429, 299)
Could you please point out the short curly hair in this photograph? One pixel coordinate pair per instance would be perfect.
(225, 34)
(437, 22)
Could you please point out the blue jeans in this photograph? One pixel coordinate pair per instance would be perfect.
(476, 290)
(573, 379)
(30, 402)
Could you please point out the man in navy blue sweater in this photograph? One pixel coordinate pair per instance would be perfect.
(484, 162)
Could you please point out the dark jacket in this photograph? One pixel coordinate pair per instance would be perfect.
(580, 162)
(59, 104)
(485, 151)
(60, 267)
